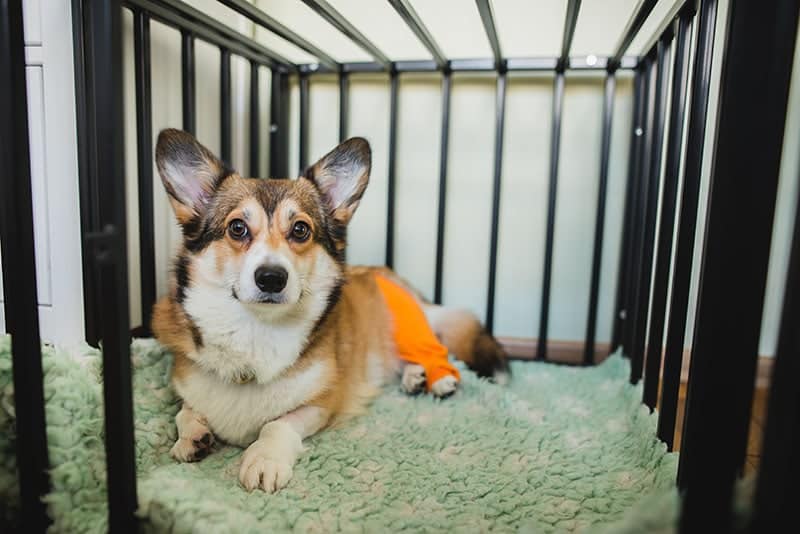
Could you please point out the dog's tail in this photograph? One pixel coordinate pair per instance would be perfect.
(464, 336)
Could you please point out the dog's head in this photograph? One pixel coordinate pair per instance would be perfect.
(268, 244)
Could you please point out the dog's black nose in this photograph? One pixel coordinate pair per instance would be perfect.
(271, 279)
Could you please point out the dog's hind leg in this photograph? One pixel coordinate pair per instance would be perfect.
(194, 437)
(413, 380)
(464, 336)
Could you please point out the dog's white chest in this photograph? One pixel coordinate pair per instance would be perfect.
(237, 412)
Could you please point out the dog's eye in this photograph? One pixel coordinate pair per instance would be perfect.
(301, 231)
(237, 229)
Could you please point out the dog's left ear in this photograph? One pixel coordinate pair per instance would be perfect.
(342, 176)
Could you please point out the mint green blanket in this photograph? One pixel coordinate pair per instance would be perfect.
(559, 449)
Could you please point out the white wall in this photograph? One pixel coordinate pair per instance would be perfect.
(525, 165)
(470, 158)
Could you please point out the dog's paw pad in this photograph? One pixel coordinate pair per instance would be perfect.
(445, 386)
(413, 381)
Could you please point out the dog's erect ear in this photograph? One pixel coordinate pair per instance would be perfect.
(342, 176)
(189, 171)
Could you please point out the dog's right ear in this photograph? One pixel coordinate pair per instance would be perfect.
(342, 176)
(189, 171)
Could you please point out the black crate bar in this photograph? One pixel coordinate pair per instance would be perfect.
(303, 145)
(390, 178)
(638, 204)
(188, 81)
(144, 158)
(225, 105)
(744, 179)
(777, 490)
(500, 112)
(279, 127)
(687, 222)
(265, 21)
(19, 273)
(255, 121)
(552, 189)
(640, 152)
(326, 11)
(89, 199)
(187, 19)
(414, 22)
(626, 242)
(571, 19)
(442, 204)
(409, 14)
(666, 226)
(100, 114)
(652, 188)
(631, 30)
(487, 17)
(344, 104)
(600, 217)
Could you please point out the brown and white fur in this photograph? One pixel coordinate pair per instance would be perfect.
(274, 338)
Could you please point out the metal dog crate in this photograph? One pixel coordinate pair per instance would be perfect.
(746, 156)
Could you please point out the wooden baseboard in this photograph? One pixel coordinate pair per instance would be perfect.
(571, 352)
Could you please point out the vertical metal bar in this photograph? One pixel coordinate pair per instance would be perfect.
(188, 81)
(225, 104)
(777, 490)
(634, 155)
(744, 180)
(687, 221)
(87, 175)
(666, 226)
(19, 272)
(646, 252)
(144, 156)
(303, 122)
(599, 225)
(390, 201)
(640, 194)
(555, 142)
(255, 121)
(109, 252)
(442, 206)
(498, 172)
(344, 104)
(279, 127)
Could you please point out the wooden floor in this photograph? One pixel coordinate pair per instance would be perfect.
(757, 422)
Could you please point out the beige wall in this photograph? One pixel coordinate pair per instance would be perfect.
(524, 178)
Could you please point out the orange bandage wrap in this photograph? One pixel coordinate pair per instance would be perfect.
(415, 340)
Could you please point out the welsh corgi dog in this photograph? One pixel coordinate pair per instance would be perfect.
(274, 338)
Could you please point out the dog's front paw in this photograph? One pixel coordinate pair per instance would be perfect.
(262, 470)
(194, 442)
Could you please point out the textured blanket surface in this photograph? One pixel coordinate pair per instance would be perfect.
(559, 449)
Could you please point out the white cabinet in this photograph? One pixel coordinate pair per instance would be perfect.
(54, 169)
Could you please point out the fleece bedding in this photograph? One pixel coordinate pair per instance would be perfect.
(559, 449)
